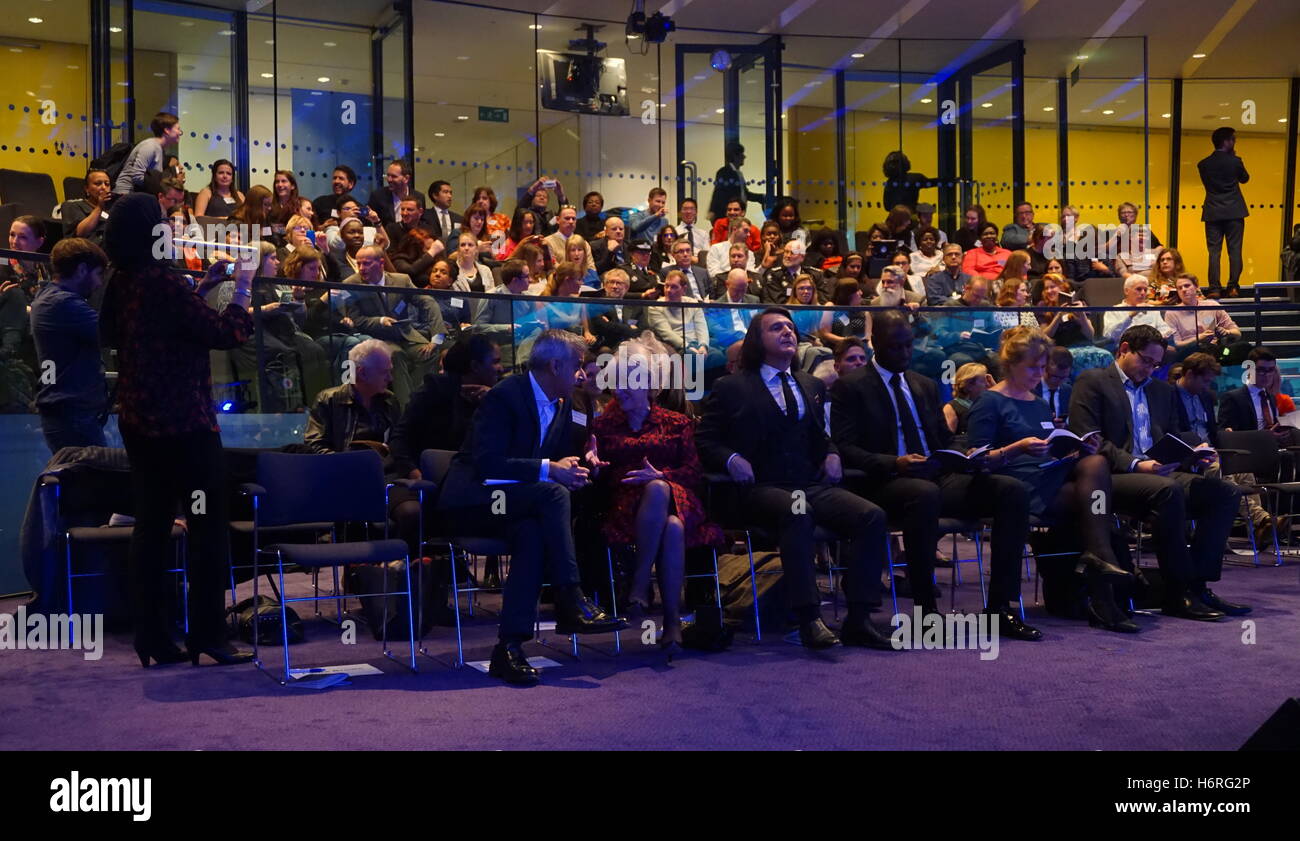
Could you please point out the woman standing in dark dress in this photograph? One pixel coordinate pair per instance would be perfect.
(163, 331)
(1012, 419)
(651, 471)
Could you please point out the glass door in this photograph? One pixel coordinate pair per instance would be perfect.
(729, 109)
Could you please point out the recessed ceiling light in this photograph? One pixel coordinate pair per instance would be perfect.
(1165, 116)
(719, 110)
(633, 37)
(187, 23)
(19, 49)
(439, 134)
(226, 32)
(214, 87)
(462, 117)
(986, 104)
(115, 29)
(330, 44)
(161, 75)
(1081, 57)
(1198, 55)
(462, 58)
(1049, 108)
(1085, 110)
(74, 66)
(1281, 119)
(859, 55)
(36, 20)
(268, 75)
(269, 41)
(893, 84)
(1225, 118)
(926, 101)
(1108, 111)
(534, 26)
(322, 78)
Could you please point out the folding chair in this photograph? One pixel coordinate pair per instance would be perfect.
(338, 487)
(1255, 451)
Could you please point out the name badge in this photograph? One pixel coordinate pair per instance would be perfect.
(579, 418)
(458, 302)
(844, 319)
(1047, 425)
(438, 339)
(979, 322)
(103, 214)
(266, 231)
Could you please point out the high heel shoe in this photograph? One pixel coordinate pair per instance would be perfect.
(164, 654)
(223, 653)
(670, 648)
(1102, 611)
(1099, 566)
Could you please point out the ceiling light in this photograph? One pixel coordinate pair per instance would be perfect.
(859, 55)
(986, 104)
(330, 44)
(115, 29)
(226, 32)
(439, 134)
(719, 110)
(1198, 55)
(1225, 118)
(1165, 116)
(269, 41)
(19, 49)
(462, 117)
(74, 66)
(1085, 110)
(268, 75)
(1049, 108)
(926, 101)
(322, 79)
(462, 58)
(1081, 57)
(161, 75)
(1108, 111)
(534, 26)
(1281, 119)
(187, 23)
(633, 37)
(36, 20)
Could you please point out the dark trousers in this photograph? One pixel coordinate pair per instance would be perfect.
(1168, 502)
(848, 515)
(1215, 233)
(71, 428)
(917, 504)
(165, 475)
(537, 523)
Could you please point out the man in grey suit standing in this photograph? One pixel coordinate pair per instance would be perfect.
(1224, 209)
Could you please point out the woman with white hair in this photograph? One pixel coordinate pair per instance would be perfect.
(651, 471)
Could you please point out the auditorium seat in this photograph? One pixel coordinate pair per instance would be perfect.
(31, 192)
(73, 188)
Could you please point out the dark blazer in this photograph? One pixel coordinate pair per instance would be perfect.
(368, 304)
(1238, 412)
(381, 202)
(865, 428)
(332, 420)
(437, 418)
(324, 206)
(604, 258)
(639, 280)
(503, 443)
(720, 285)
(1062, 397)
(1185, 422)
(607, 326)
(776, 283)
(429, 221)
(1099, 402)
(727, 185)
(1223, 173)
(701, 276)
(740, 417)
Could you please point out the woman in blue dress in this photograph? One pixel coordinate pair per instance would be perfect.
(1015, 422)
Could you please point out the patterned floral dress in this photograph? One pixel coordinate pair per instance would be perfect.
(667, 439)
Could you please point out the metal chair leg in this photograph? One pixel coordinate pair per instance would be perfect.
(753, 584)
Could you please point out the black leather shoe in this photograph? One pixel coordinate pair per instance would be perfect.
(1185, 607)
(816, 635)
(1103, 614)
(223, 653)
(162, 652)
(1010, 625)
(1213, 602)
(576, 614)
(857, 631)
(1098, 566)
(510, 664)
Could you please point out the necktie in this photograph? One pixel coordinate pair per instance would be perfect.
(690, 236)
(906, 422)
(1265, 410)
(1051, 401)
(791, 407)
(444, 222)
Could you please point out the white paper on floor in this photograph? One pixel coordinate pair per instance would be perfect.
(535, 662)
(546, 626)
(354, 670)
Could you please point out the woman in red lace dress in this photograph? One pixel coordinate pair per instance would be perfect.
(651, 470)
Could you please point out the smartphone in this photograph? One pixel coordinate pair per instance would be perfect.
(230, 269)
(548, 183)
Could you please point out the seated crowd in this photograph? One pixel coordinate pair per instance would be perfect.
(809, 393)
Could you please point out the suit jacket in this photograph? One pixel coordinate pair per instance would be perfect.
(332, 421)
(1185, 422)
(701, 278)
(429, 221)
(1099, 402)
(719, 285)
(604, 258)
(728, 185)
(1062, 397)
(381, 202)
(776, 283)
(740, 417)
(940, 286)
(639, 280)
(367, 305)
(503, 443)
(607, 325)
(865, 428)
(1223, 173)
(1237, 411)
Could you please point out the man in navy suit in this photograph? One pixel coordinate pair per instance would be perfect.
(764, 426)
(386, 200)
(514, 476)
(1224, 209)
(1054, 387)
(698, 285)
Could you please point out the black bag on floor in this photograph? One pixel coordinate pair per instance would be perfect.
(708, 632)
(268, 621)
(369, 578)
(1063, 576)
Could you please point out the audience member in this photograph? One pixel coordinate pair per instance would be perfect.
(648, 223)
(148, 154)
(947, 280)
(729, 185)
(1115, 322)
(285, 199)
(698, 284)
(722, 226)
(968, 383)
(608, 251)
(1017, 235)
(591, 225)
(987, 260)
(1224, 209)
(343, 180)
(439, 217)
(1054, 388)
(718, 259)
(384, 201)
(1203, 325)
(87, 217)
(968, 235)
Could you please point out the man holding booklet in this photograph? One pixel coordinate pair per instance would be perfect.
(887, 421)
(1141, 428)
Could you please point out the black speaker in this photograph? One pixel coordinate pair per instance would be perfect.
(1280, 732)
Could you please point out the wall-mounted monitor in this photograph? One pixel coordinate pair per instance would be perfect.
(583, 84)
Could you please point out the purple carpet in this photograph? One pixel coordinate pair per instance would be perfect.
(1176, 685)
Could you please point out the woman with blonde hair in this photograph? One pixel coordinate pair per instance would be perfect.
(1014, 293)
(1010, 418)
(578, 250)
(651, 473)
(970, 381)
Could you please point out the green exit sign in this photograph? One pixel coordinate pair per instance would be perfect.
(493, 115)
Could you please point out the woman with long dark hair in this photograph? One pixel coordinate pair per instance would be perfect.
(286, 201)
(968, 235)
(164, 331)
(220, 198)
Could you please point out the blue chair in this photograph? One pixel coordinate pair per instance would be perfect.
(338, 488)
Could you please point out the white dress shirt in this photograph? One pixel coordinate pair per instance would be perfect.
(772, 379)
(546, 409)
(718, 260)
(699, 236)
(888, 377)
